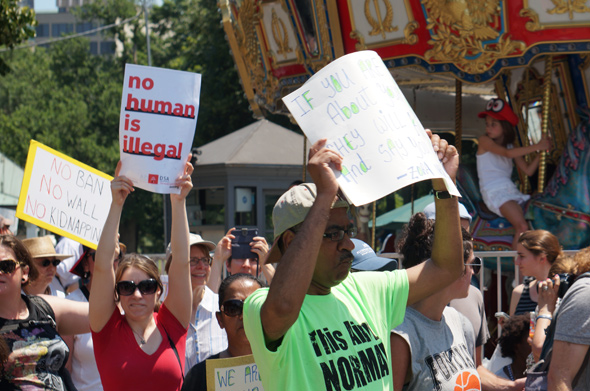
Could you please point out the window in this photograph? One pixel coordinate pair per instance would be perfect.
(93, 48)
(86, 26)
(107, 47)
(59, 29)
(43, 30)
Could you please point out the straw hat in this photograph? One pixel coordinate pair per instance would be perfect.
(43, 248)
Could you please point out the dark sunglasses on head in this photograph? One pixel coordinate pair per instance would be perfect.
(476, 265)
(47, 262)
(146, 287)
(232, 307)
(8, 266)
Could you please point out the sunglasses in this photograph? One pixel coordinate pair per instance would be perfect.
(146, 287)
(475, 266)
(8, 266)
(47, 262)
(232, 307)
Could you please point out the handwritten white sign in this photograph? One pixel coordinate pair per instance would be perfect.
(355, 103)
(233, 374)
(159, 111)
(64, 195)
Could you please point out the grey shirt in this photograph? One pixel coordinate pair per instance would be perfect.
(442, 352)
(473, 309)
(573, 325)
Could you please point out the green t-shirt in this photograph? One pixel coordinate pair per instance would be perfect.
(340, 341)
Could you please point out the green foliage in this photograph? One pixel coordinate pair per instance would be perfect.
(16, 25)
(191, 38)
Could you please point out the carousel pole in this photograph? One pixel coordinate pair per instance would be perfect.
(545, 123)
(458, 116)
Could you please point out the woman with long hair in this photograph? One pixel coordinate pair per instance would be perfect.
(31, 326)
(141, 349)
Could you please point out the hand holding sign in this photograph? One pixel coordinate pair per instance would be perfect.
(356, 105)
(446, 153)
(184, 183)
(121, 186)
(322, 162)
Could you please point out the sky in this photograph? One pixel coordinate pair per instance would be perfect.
(45, 6)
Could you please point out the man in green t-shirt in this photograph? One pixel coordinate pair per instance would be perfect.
(318, 327)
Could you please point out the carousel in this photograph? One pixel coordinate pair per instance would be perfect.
(533, 54)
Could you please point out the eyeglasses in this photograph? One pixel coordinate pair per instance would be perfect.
(232, 307)
(337, 236)
(206, 261)
(495, 105)
(46, 262)
(8, 266)
(476, 265)
(146, 287)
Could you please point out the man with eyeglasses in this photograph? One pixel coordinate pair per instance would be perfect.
(319, 327)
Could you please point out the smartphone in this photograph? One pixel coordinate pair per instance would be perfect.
(240, 246)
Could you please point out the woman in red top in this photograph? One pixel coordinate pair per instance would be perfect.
(141, 349)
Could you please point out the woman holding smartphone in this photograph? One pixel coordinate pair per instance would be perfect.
(141, 350)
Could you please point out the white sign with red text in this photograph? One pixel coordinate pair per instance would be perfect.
(355, 103)
(159, 109)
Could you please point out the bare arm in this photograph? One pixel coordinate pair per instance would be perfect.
(295, 271)
(102, 301)
(566, 361)
(492, 382)
(528, 168)
(179, 297)
(401, 357)
(486, 144)
(71, 316)
(220, 257)
(516, 294)
(260, 247)
(547, 300)
(446, 263)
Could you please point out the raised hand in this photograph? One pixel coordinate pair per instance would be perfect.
(121, 186)
(223, 249)
(544, 144)
(260, 247)
(184, 182)
(321, 162)
(446, 153)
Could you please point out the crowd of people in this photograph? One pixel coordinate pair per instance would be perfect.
(332, 315)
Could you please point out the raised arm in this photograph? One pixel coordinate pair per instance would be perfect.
(179, 297)
(446, 263)
(220, 257)
(260, 247)
(102, 301)
(295, 271)
(486, 144)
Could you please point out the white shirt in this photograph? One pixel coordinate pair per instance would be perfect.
(84, 371)
(204, 337)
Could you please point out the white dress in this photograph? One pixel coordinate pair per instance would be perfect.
(495, 182)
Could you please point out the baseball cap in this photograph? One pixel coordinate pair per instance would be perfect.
(365, 258)
(500, 110)
(430, 212)
(291, 209)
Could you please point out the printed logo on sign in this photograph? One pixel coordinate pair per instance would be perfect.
(153, 179)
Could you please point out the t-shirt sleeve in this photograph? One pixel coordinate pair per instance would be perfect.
(573, 319)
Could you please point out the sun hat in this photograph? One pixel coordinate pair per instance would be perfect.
(42, 247)
(193, 240)
(365, 258)
(500, 110)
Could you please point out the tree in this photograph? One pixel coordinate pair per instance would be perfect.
(16, 25)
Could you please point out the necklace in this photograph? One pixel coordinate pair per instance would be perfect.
(141, 340)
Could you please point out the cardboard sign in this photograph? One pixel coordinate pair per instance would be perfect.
(64, 195)
(233, 374)
(159, 111)
(355, 103)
